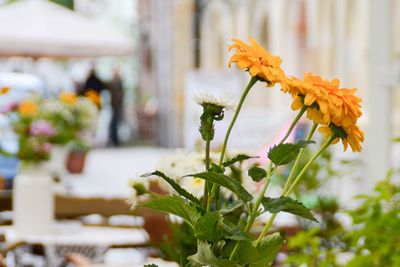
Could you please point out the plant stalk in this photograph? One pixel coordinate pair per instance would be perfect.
(296, 181)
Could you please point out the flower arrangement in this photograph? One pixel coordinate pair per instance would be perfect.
(223, 225)
(42, 122)
(33, 131)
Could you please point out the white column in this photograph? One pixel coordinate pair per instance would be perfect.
(378, 133)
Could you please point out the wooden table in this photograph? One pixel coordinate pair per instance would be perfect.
(67, 207)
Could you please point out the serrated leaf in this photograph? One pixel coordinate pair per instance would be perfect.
(175, 186)
(234, 232)
(285, 153)
(174, 205)
(257, 173)
(205, 257)
(237, 158)
(287, 204)
(208, 227)
(231, 207)
(227, 182)
(262, 255)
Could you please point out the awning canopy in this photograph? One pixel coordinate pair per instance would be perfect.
(39, 28)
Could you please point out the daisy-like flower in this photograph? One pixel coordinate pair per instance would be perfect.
(351, 135)
(213, 110)
(68, 98)
(204, 98)
(258, 61)
(4, 90)
(345, 108)
(27, 108)
(314, 92)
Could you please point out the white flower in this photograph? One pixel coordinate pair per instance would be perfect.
(202, 98)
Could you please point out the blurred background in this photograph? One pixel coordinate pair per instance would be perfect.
(147, 58)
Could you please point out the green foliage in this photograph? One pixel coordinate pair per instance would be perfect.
(262, 255)
(238, 158)
(227, 182)
(257, 173)
(283, 154)
(176, 186)
(174, 205)
(287, 204)
(209, 227)
(205, 257)
(150, 265)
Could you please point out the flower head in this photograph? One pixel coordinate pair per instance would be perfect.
(27, 108)
(68, 98)
(42, 128)
(213, 110)
(93, 96)
(4, 90)
(257, 60)
(204, 98)
(351, 135)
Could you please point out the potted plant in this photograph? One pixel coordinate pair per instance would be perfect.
(223, 226)
(33, 203)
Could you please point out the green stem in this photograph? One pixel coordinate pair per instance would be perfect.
(319, 152)
(297, 162)
(296, 181)
(206, 184)
(289, 131)
(215, 187)
(252, 81)
(254, 212)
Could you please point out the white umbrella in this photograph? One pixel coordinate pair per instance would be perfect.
(39, 28)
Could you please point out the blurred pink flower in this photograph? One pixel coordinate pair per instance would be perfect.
(42, 128)
(12, 106)
(47, 147)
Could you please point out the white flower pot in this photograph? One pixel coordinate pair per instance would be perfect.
(33, 202)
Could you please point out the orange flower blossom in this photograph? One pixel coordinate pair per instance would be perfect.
(257, 60)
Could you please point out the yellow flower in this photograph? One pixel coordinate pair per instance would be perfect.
(257, 60)
(68, 98)
(94, 97)
(4, 90)
(27, 108)
(345, 108)
(352, 136)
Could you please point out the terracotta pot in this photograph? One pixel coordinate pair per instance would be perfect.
(76, 161)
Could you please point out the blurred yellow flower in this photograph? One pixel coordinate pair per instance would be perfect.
(4, 90)
(27, 108)
(353, 136)
(94, 97)
(68, 98)
(257, 60)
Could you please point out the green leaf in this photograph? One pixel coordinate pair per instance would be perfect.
(287, 204)
(285, 153)
(208, 227)
(216, 168)
(231, 207)
(150, 265)
(176, 186)
(234, 232)
(174, 205)
(227, 182)
(262, 255)
(205, 257)
(257, 173)
(239, 157)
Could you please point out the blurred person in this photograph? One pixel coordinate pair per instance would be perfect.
(117, 96)
(93, 83)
